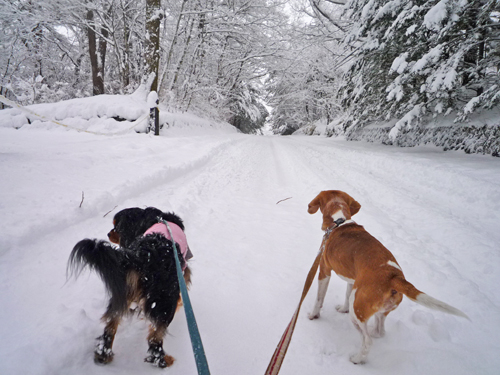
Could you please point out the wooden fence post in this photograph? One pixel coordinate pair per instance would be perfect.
(154, 112)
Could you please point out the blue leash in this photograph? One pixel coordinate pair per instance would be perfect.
(194, 333)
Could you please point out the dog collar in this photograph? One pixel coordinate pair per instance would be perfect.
(338, 223)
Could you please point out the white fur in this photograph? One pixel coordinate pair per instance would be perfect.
(345, 307)
(322, 288)
(379, 329)
(432, 303)
(347, 280)
(394, 264)
(338, 215)
(363, 329)
(346, 222)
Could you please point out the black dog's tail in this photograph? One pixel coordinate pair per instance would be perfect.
(101, 257)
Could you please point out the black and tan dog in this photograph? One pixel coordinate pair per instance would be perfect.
(141, 270)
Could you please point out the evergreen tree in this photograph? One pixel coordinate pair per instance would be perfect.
(420, 58)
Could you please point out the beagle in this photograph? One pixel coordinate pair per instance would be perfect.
(375, 281)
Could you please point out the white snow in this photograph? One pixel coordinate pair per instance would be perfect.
(430, 57)
(436, 15)
(438, 212)
(389, 8)
(406, 121)
(399, 64)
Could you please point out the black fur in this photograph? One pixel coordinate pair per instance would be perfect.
(109, 263)
(141, 270)
(131, 223)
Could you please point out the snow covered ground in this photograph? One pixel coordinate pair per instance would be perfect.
(437, 212)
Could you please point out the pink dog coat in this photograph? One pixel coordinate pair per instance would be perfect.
(179, 237)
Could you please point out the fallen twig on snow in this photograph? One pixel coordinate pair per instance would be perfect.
(284, 200)
(109, 211)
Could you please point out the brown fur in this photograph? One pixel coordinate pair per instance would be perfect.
(374, 275)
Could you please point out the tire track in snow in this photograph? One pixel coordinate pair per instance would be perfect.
(106, 201)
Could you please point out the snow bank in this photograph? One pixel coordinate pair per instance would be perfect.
(105, 115)
(481, 135)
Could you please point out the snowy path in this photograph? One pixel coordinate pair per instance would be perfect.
(437, 212)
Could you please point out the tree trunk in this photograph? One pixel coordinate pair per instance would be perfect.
(126, 53)
(97, 79)
(153, 19)
(181, 61)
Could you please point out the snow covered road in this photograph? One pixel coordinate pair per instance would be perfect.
(437, 212)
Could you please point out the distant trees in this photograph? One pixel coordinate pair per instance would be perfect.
(377, 60)
(217, 54)
(36, 61)
(205, 55)
(303, 83)
(359, 60)
(57, 49)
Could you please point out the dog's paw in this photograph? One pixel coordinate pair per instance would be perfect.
(358, 359)
(158, 357)
(342, 309)
(160, 362)
(375, 333)
(313, 315)
(103, 353)
(103, 358)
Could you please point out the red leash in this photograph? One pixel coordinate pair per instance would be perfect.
(279, 354)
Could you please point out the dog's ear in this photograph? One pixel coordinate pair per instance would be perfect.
(313, 207)
(114, 236)
(354, 206)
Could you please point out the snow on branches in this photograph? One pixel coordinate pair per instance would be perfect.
(416, 59)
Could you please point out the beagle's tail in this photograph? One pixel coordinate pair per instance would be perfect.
(405, 287)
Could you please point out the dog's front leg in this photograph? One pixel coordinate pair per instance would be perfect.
(322, 288)
(345, 308)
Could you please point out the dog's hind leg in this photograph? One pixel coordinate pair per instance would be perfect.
(345, 308)
(379, 329)
(157, 355)
(360, 322)
(103, 352)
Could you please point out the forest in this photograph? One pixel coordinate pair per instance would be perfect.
(322, 66)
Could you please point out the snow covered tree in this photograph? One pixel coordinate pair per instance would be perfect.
(303, 92)
(248, 112)
(36, 60)
(304, 80)
(59, 49)
(216, 53)
(97, 42)
(413, 59)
